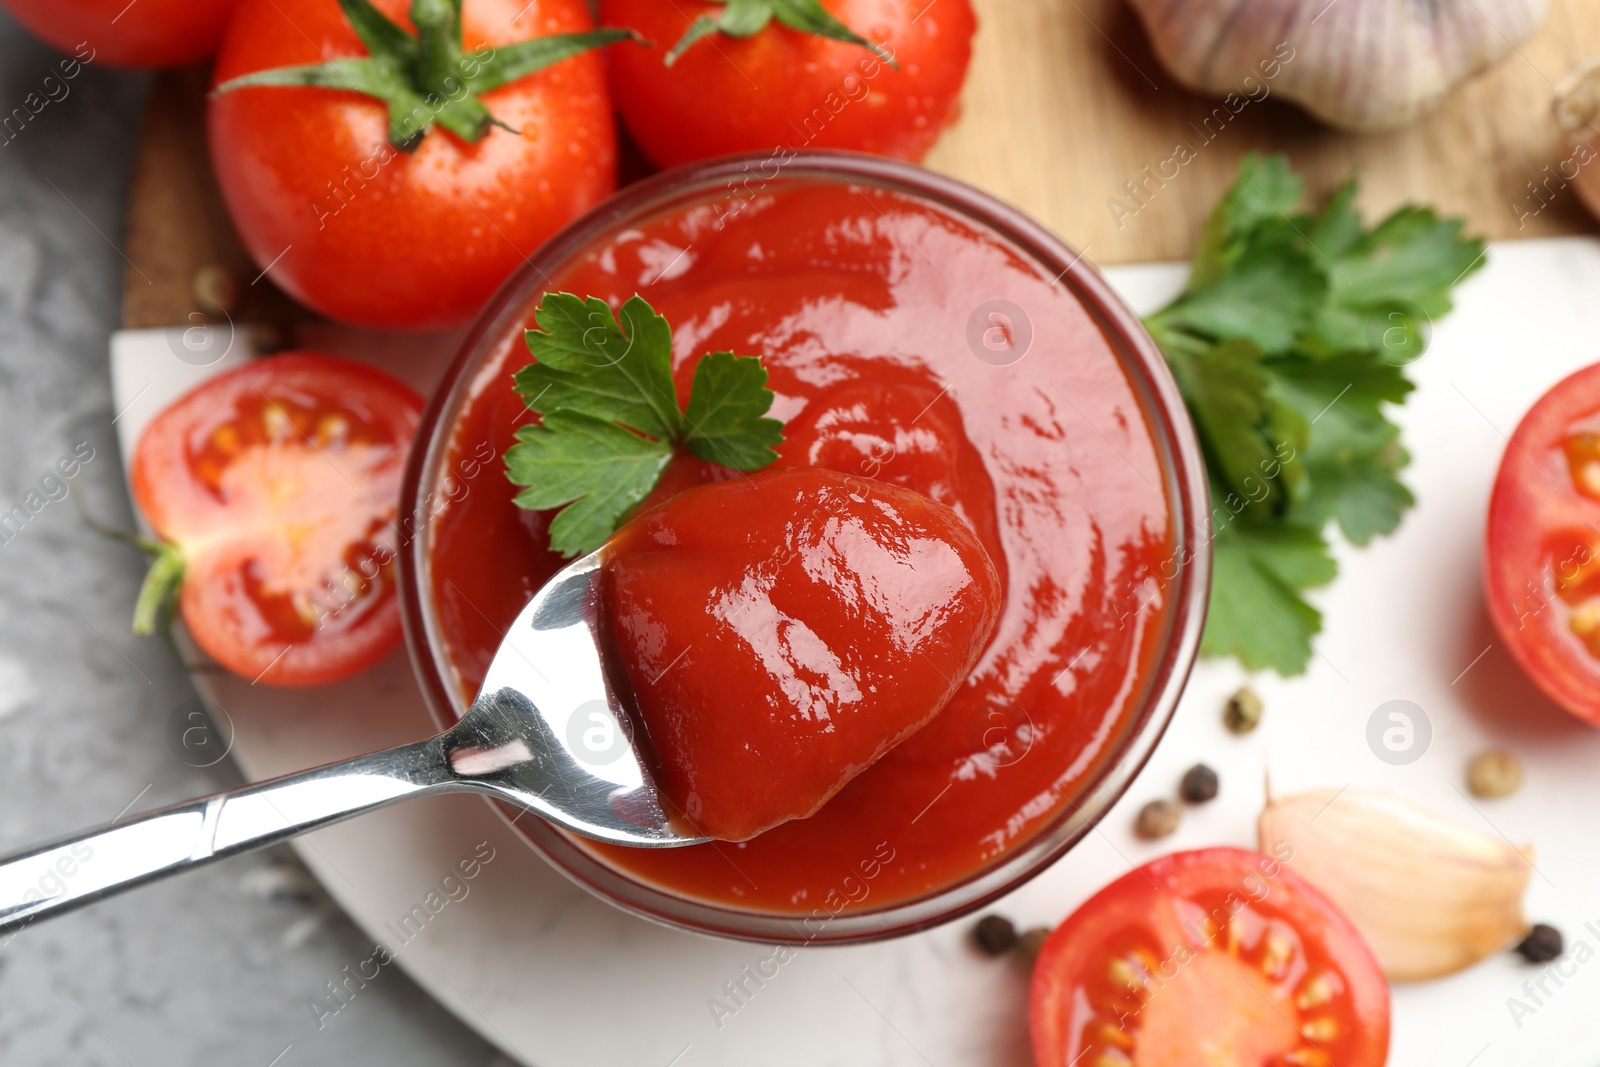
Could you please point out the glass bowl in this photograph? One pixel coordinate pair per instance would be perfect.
(1176, 450)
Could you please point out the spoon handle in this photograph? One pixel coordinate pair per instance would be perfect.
(77, 870)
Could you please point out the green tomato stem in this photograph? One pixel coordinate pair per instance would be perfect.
(424, 79)
(152, 610)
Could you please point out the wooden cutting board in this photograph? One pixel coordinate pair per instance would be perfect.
(1065, 103)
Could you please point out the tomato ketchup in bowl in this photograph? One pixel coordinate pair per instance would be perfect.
(916, 333)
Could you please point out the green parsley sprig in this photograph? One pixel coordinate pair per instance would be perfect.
(609, 416)
(1291, 337)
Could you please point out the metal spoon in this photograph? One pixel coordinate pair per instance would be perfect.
(546, 733)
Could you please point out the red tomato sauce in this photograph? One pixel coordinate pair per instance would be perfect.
(781, 632)
(873, 313)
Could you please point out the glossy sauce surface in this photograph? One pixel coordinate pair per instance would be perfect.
(908, 345)
(779, 633)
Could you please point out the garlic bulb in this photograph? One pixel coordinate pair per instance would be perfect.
(1359, 64)
(1577, 111)
(1429, 896)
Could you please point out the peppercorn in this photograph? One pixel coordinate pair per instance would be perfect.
(1157, 819)
(995, 935)
(1199, 784)
(1495, 773)
(1028, 945)
(1242, 713)
(1542, 944)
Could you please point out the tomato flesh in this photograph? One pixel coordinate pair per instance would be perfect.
(1542, 559)
(278, 483)
(1218, 958)
(781, 87)
(780, 633)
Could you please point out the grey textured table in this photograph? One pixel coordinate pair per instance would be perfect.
(219, 967)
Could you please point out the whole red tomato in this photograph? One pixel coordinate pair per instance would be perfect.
(366, 233)
(146, 33)
(781, 86)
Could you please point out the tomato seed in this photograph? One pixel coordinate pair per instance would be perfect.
(1279, 953)
(1583, 462)
(1323, 1029)
(1316, 992)
(274, 422)
(331, 428)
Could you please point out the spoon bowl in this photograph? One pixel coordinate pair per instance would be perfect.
(547, 732)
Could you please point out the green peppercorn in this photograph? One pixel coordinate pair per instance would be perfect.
(1495, 773)
(1242, 713)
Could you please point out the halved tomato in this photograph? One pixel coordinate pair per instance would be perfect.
(274, 489)
(1542, 564)
(1214, 958)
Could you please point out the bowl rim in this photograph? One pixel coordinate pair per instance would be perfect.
(1176, 446)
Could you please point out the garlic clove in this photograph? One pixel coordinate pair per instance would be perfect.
(1429, 896)
(1357, 64)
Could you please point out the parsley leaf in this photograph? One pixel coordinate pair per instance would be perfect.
(1354, 454)
(1265, 189)
(1226, 392)
(1257, 612)
(1267, 295)
(1288, 344)
(726, 406)
(609, 417)
(596, 468)
(744, 18)
(586, 363)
